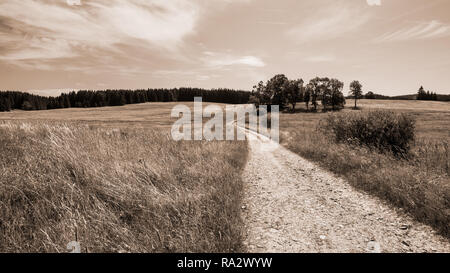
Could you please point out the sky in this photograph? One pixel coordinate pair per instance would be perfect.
(391, 46)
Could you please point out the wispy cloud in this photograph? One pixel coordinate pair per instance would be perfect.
(374, 2)
(45, 30)
(424, 30)
(330, 23)
(213, 59)
(73, 2)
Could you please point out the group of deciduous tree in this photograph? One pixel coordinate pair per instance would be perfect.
(10, 100)
(281, 91)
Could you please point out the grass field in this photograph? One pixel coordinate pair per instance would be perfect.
(136, 190)
(112, 179)
(420, 185)
(145, 115)
(433, 117)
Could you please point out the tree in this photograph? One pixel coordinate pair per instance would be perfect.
(421, 94)
(327, 90)
(275, 90)
(292, 91)
(370, 95)
(27, 106)
(326, 93)
(260, 96)
(426, 95)
(307, 95)
(331, 93)
(356, 90)
(337, 97)
(5, 104)
(316, 88)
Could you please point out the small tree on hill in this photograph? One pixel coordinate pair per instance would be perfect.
(421, 94)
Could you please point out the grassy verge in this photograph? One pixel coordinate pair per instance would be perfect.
(420, 184)
(127, 190)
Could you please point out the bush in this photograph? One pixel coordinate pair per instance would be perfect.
(383, 130)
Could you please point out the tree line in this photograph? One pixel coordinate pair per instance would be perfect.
(279, 90)
(420, 95)
(426, 95)
(286, 93)
(373, 96)
(10, 100)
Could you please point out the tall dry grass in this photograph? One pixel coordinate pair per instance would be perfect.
(420, 183)
(128, 190)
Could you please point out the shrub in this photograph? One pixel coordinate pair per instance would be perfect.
(383, 130)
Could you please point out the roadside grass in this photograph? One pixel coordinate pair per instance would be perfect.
(117, 190)
(419, 184)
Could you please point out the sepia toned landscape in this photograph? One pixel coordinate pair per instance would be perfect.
(126, 173)
(89, 162)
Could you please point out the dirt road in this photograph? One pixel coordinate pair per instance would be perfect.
(291, 205)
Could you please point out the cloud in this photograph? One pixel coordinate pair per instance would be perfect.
(250, 61)
(328, 24)
(420, 31)
(100, 35)
(74, 2)
(221, 60)
(374, 2)
(40, 31)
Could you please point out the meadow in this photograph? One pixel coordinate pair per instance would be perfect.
(145, 115)
(419, 184)
(114, 180)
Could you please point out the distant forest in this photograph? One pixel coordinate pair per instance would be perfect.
(10, 100)
(421, 95)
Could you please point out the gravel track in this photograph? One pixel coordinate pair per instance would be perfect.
(291, 205)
